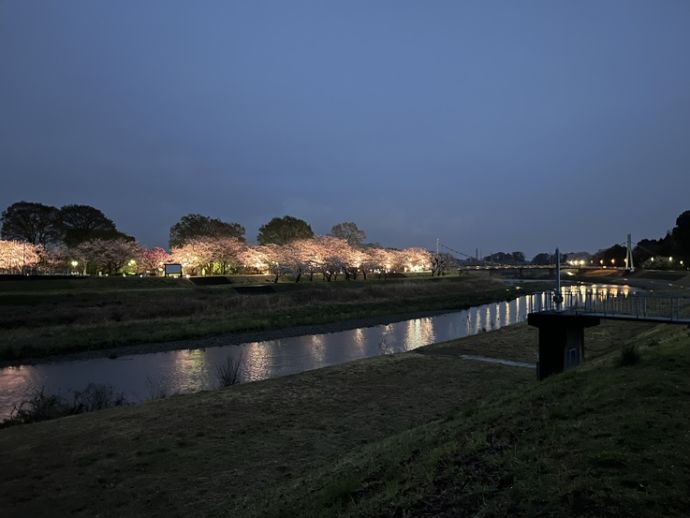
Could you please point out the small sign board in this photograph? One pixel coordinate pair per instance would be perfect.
(173, 269)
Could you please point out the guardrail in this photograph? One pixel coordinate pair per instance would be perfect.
(634, 306)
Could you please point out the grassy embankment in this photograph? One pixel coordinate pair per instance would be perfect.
(420, 433)
(40, 318)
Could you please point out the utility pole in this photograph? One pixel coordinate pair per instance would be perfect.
(438, 242)
(628, 255)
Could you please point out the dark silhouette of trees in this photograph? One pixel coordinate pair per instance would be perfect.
(196, 226)
(612, 256)
(506, 258)
(675, 243)
(648, 248)
(81, 223)
(35, 223)
(681, 237)
(544, 258)
(349, 232)
(283, 230)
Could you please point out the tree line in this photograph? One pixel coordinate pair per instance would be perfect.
(71, 225)
(80, 238)
(669, 252)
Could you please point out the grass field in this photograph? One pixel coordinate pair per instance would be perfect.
(423, 433)
(40, 318)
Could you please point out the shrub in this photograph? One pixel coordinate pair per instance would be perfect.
(230, 372)
(41, 406)
(629, 356)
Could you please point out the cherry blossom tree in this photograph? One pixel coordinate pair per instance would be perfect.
(225, 252)
(332, 256)
(369, 262)
(256, 259)
(416, 259)
(108, 256)
(19, 256)
(195, 256)
(276, 260)
(152, 261)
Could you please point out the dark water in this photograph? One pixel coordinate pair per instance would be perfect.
(147, 376)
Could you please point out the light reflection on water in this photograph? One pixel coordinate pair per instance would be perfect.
(146, 376)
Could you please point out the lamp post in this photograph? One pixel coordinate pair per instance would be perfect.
(557, 296)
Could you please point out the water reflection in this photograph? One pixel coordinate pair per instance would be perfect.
(151, 375)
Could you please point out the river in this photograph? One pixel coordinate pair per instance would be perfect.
(147, 376)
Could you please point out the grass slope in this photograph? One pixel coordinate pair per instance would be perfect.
(417, 434)
(604, 440)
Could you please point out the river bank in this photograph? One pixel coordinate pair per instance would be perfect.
(231, 338)
(262, 448)
(39, 321)
(109, 317)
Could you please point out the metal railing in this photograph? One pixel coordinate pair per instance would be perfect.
(634, 306)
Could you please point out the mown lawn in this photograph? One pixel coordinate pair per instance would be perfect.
(421, 433)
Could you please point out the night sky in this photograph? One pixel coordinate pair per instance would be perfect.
(497, 125)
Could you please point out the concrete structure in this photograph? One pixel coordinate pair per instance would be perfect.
(561, 340)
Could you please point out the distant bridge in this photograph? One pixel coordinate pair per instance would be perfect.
(533, 267)
(483, 264)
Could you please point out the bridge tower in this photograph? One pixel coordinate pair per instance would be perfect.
(628, 255)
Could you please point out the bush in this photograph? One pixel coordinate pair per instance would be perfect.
(629, 356)
(230, 372)
(41, 406)
(96, 397)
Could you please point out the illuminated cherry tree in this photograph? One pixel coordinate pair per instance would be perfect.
(152, 261)
(19, 256)
(328, 255)
(333, 254)
(108, 256)
(256, 259)
(225, 252)
(195, 256)
(415, 260)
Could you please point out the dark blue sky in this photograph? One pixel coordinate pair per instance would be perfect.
(498, 125)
